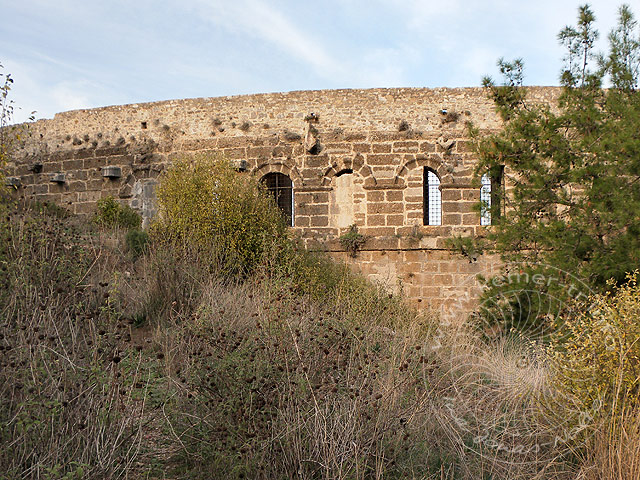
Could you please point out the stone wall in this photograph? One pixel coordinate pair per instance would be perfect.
(354, 157)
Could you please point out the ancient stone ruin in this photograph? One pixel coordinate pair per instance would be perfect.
(397, 163)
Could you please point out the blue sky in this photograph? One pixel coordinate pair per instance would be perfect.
(68, 54)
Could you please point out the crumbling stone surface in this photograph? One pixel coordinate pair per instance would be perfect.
(348, 160)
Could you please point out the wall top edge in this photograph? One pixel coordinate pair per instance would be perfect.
(394, 93)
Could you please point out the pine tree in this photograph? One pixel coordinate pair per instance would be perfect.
(572, 169)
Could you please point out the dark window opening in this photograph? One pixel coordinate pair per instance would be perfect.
(346, 171)
(432, 198)
(280, 186)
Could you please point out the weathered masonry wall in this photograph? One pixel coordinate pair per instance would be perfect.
(353, 156)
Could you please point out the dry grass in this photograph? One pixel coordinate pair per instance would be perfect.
(614, 453)
(72, 391)
(167, 368)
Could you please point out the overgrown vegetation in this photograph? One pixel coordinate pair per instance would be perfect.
(219, 348)
(352, 241)
(205, 204)
(110, 214)
(598, 351)
(175, 365)
(73, 390)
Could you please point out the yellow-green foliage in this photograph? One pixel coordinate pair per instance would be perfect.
(599, 360)
(204, 202)
(111, 214)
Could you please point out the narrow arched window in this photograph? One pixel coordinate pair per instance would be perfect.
(491, 193)
(279, 185)
(485, 200)
(432, 208)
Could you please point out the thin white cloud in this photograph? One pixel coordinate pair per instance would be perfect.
(256, 19)
(74, 53)
(71, 95)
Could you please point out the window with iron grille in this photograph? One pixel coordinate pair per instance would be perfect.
(279, 185)
(432, 208)
(485, 200)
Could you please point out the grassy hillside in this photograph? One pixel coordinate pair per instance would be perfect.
(166, 363)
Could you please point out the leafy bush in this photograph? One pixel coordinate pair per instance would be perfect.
(598, 352)
(137, 242)
(111, 214)
(205, 203)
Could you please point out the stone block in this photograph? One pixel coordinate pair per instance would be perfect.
(84, 153)
(319, 221)
(375, 220)
(451, 194)
(470, 219)
(395, 220)
(361, 147)
(394, 195)
(77, 185)
(377, 208)
(471, 194)
(381, 148)
(452, 219)
(379, 231)
(427, 147)
(235, 153)
(382, 159)
(302, 221)
(51, 167)
(97, 162)
(375, 196)
(405, 147)
(320, 197)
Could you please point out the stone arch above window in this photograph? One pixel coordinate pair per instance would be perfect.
(355, 164)
(280, 186)
(432, 198)
(289, 169)
(435, 165)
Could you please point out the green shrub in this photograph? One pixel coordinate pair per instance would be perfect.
(352, 241)
(137, 242)
(111, 214)
(598, 352)
(203, 202)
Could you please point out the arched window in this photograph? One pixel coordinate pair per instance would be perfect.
(279, 185)
(485, 200)
(491, 193)
(432, 198)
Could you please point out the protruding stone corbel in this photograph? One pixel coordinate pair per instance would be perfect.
(239, 165)
(311, 140)
(445, 143)
(12, 182)
(57, 178)
(111, 171)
